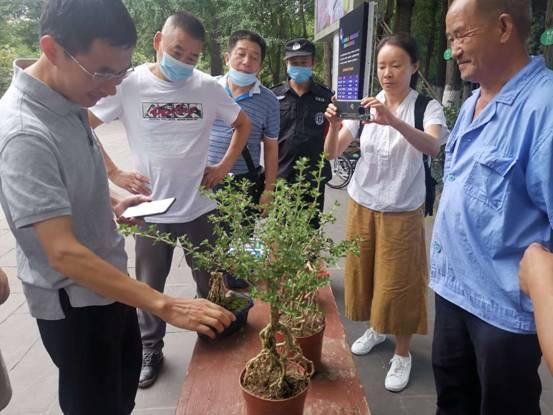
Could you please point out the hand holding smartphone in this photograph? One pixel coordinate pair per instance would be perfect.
(353, 110)
(155, 207)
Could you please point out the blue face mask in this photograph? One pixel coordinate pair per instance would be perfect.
(241, 78)
(300, 74)
(174, 70)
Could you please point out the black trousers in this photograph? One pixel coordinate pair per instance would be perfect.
(98, 353)
(480, 369)
(308, 198)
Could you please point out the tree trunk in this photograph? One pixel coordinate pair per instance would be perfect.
(404, 11)
(302, 16)
(209, 11)
(215, 56)
(430, 49)
(467, 91)
(389, 13)
(442, 45)
(548, 51)
(276, 64)
(452, 90)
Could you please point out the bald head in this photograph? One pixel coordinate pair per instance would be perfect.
(186, 22)
(519, 10)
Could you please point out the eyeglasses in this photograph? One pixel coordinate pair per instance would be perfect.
(102, 76)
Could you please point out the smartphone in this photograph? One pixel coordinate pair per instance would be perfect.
(353, 110)
(155, 207)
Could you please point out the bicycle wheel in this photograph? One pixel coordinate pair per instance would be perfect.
(342, 170)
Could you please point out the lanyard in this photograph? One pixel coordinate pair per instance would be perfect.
(239, 98)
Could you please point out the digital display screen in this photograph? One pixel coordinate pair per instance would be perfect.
(351, 55)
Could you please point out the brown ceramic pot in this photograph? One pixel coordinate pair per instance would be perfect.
(256, 405)
(312, 347)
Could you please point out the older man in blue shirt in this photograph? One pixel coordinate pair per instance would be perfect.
(497, 199)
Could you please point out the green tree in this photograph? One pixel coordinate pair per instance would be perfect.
(277, 21)
(404, 12)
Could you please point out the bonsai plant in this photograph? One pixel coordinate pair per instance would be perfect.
(280, 255)
(215, 257)
(285, 273)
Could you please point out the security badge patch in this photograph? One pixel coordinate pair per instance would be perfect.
(319, 118)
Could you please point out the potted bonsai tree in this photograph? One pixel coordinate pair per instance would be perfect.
(280, 255)
(284, 272)
(215, 258)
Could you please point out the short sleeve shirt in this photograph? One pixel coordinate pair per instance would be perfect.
(389, 176)
(497, 200)
(51, 166)
(302, 126)
(168, 126)
(262, 108)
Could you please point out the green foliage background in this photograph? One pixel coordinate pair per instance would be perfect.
(276, 20)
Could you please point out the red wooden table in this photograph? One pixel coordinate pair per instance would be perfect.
(211, 386)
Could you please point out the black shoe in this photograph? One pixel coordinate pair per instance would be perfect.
(151, 364)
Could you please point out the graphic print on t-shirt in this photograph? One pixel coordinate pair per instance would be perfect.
(176, 111)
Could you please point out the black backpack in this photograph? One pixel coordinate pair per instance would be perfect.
(420, 107)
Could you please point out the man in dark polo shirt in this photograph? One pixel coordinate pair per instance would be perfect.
(55, 195)
(302, 123)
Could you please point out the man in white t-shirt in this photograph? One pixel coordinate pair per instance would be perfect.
(168, 109)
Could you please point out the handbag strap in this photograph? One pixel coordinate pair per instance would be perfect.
(248, 158)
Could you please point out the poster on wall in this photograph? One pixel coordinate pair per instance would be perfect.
(353, 57)
(327, 15)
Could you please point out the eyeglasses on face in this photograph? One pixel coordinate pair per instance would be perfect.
(102, 76)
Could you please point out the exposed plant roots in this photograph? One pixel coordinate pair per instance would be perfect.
(220, 295)
(217, 289)
(280, 370)
(310, 318)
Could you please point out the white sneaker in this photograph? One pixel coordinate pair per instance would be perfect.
(366, 342)
(398, 375)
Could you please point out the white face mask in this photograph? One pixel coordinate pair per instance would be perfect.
(242, 78)
(174, 70)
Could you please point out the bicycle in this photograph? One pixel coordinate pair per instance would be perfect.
(342, 169)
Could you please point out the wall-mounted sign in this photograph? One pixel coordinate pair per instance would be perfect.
(354, 59)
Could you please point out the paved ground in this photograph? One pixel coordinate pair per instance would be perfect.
(34, 377)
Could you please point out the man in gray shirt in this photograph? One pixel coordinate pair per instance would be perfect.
(54, 192)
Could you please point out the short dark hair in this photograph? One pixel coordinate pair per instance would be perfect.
(75, 24)
(519, 10)
(250, 36)
(406, 42)
(186, 22)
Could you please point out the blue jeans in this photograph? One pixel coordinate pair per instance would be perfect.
(480, 369)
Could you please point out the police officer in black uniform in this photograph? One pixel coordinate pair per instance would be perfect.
(302, 123)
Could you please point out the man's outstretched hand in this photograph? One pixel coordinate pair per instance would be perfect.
(198, 315)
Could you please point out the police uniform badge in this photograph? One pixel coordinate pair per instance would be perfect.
(296, 46)
(319, 118)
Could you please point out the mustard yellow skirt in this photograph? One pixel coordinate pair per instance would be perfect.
(386, 284)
